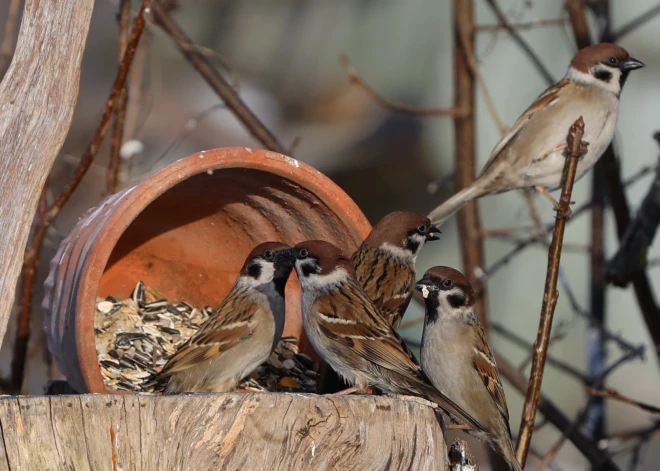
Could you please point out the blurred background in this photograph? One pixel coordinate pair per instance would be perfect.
(285, 55)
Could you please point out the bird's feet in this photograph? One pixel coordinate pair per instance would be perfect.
(555, 204)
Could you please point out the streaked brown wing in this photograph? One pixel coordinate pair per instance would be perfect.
(356, 323)
(233, 322)
(542, 101)
(484, 362)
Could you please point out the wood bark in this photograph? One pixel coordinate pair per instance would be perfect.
(37, 97)
(219, 431)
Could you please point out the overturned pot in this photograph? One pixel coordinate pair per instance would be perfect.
(186, 231)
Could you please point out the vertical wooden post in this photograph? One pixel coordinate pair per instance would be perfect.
(464, 131)
(37, 97)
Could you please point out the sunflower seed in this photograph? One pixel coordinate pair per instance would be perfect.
(135, 338)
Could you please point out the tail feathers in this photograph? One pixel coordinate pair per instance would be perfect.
(451, 408)
(456, 202)
(506, 451)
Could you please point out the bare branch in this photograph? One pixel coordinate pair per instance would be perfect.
(536, 60)
(216, 81)
(636, 23)
(122, 102)
(576, 148)
(355, 79)
(611, 393)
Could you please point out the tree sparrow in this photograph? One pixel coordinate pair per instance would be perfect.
(385, 262)
(347, 331)
(457, 359)
(532, 152)
(241, 333)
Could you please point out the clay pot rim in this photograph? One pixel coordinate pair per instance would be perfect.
(128, 210)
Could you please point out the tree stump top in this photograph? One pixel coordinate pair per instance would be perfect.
(230, 431)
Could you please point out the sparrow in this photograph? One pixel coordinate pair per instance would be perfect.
(457, 359)
(385, 262)
(350, 334)
(241, 333)
(532, 153)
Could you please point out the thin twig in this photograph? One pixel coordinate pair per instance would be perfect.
(216, 81)
(536, 60)
(33, 249)
(576, 148)
(124, 18)
(358, 81)
(558, 419)
(7, 47)
(636, 23)
(611, 393)
(521, 26)
(554, 449)
(522, 343)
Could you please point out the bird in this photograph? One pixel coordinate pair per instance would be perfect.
(532, 153)
(345, 328)
(457, 359)
(241, 333)
(385, 262)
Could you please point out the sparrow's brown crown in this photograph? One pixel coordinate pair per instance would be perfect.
(447, 278)
(395, 228)
(329, 256)
(603, 52)
(261, 251)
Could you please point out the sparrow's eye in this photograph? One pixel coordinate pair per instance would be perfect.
(303, 253)
(422, 228)
(447, 283)
(613, 61)
(269, 255)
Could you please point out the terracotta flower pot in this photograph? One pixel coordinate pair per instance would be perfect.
(185, 231)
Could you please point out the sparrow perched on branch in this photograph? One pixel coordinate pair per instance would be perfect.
(347, 331)
(457, 359)
(241, 333)
(385, 262)
(533, 151)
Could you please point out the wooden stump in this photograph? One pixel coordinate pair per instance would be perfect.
(234, 431)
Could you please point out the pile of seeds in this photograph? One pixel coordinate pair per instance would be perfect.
(135, 337)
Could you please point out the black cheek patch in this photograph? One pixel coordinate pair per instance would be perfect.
(456, 300)
(603, 75)
(254, 270)
(308, 269)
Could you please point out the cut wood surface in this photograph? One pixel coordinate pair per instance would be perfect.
(233, 431)
(37, 98)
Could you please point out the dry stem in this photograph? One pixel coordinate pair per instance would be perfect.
(215, 80)
(122, 102)
(575, 149)
(355, 79)
(611, 393)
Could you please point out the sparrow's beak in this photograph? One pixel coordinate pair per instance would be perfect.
(433, 234)
(285, 258)
(423, 283)
(632, 64)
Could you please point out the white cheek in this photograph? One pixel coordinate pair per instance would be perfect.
(316, 281)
